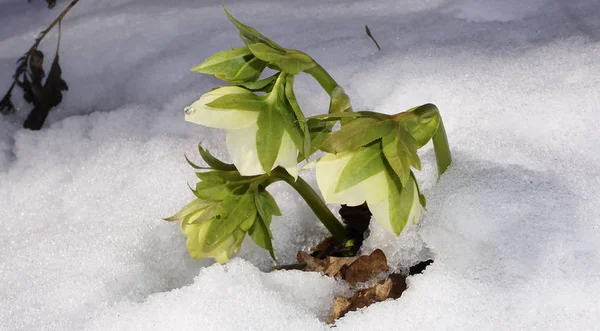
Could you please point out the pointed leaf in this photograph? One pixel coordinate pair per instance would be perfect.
(395, 157)
(424, 124)
(210, 190)
(402, 202)
(234, 210)
(319, 131)
(212, 161)
(249, 222)
(263, 85)
(261, 235)
(192, 164)
(239, 101)
(400, 150)
(222, 176)
(357, 133)
(235, 65)
(357, 114)
(249, 34)
(265, 200)
(442, 149)
(365, 162)
(195, 205)
(289, 61)
(422, 199)
(268, 137)
(305, 148)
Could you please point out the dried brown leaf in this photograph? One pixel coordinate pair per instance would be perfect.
(366, 267)
(382, 290)
(341, 306)
(312, 263)
(336, 264)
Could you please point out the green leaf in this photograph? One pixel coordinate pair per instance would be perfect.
(319, 131)
(422, 199)
(357, 114)
(401, 201)
(249, 72)
(357, 133)
(189, 209)
(396, 158)
(201, 215)
(222, 176)
(193, 164)
(268, 137)
(233, 66)
(249, 34)
(365, 162)
(400, 151)
(442, 149)
(422, 128)
(305, 147)
(212, 161)
(211, 190)
(239, 101)
(261, 235)
(340, 101)
(265, 200)
(263, 85)
(234, 210)
(248, 223)
(424, 124)
(289, 61)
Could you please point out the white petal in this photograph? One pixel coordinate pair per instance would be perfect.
(241, 145)
(200, 113)
(381, 213)
(329, 169)
(375, 187)
(288, 155)
(415, 212)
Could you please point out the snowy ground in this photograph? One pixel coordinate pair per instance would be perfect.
(512, 226)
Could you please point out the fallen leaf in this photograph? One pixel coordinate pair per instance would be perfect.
(312, 263)
(391, 287)
(366, 267)
(382, 290)
(341, 306)
(336, 264)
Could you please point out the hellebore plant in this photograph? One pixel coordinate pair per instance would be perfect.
(369, 159)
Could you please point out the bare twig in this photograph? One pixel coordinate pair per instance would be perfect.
(56, 20)
(371, 36)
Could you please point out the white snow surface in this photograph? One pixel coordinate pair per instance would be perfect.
(512, 225)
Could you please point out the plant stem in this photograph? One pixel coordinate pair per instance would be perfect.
(441, 148)
(314, 201)
(323, 77)
(56, 20)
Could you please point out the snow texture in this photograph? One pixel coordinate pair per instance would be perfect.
(513, 226)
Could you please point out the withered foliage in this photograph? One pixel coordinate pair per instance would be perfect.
(29, 76)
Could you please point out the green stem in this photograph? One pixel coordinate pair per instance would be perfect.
(441, 148)
(314, 201)
(323, 77)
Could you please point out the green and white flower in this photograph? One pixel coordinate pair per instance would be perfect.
(222, 251)
(196, 220)
(363, 175)
(242, 130)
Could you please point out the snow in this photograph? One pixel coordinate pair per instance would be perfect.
(512, 225)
